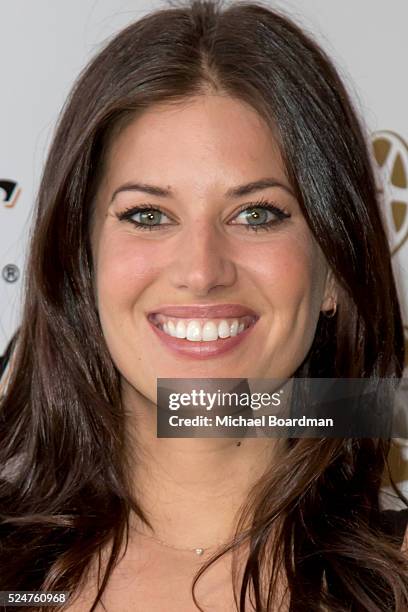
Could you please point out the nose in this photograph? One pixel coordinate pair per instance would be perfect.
(202, 262)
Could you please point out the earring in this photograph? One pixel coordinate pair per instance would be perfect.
(329, 314)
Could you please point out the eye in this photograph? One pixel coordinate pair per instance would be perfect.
(144, 217)
(261, 215)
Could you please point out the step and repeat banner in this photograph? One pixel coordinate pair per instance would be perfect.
(44, 45)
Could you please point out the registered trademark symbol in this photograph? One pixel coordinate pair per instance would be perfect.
(10, 273)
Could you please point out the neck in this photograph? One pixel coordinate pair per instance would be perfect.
(190, 489)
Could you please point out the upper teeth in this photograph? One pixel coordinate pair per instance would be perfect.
(197, 330)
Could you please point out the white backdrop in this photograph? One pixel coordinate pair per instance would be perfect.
(44, 44)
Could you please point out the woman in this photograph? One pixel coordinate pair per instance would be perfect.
(208, 168)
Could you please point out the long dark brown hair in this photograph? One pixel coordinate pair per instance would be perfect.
(64, 490)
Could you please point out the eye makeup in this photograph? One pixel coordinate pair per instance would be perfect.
(256, 211)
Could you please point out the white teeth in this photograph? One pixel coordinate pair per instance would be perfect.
(193, 331)
(180, 330)
(197, 330)
(234, 328)
(223, 329)
(210, 331)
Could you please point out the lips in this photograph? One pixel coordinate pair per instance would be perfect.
(202, 349)
(205, 311)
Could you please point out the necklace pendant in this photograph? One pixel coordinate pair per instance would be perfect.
(199, 551)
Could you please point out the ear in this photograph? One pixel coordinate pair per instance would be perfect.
(331, 293)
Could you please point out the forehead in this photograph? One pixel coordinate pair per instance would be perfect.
(204, 141)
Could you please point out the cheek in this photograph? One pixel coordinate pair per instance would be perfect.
(124, 270)
(291, 273)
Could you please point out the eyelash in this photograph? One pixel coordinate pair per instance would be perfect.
(264, 204)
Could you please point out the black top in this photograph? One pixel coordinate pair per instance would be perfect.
(4, 359)
(395, 522)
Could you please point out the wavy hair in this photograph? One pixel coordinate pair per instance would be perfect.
(64, 482)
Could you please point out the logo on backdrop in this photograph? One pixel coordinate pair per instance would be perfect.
(391, 154)
(10, 273)
(9, 193)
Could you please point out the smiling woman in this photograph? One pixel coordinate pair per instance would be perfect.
(207, 210)
(217, 229)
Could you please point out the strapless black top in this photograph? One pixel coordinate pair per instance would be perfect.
(395, 522)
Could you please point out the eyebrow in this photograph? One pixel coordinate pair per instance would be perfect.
(242, 190)
(233, 192)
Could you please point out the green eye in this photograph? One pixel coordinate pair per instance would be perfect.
(144, 218)
(261, 215)
(256, 216)
(149, 217)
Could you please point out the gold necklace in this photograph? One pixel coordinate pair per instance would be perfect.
(199, 550)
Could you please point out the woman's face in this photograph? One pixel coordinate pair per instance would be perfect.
(247, 300)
